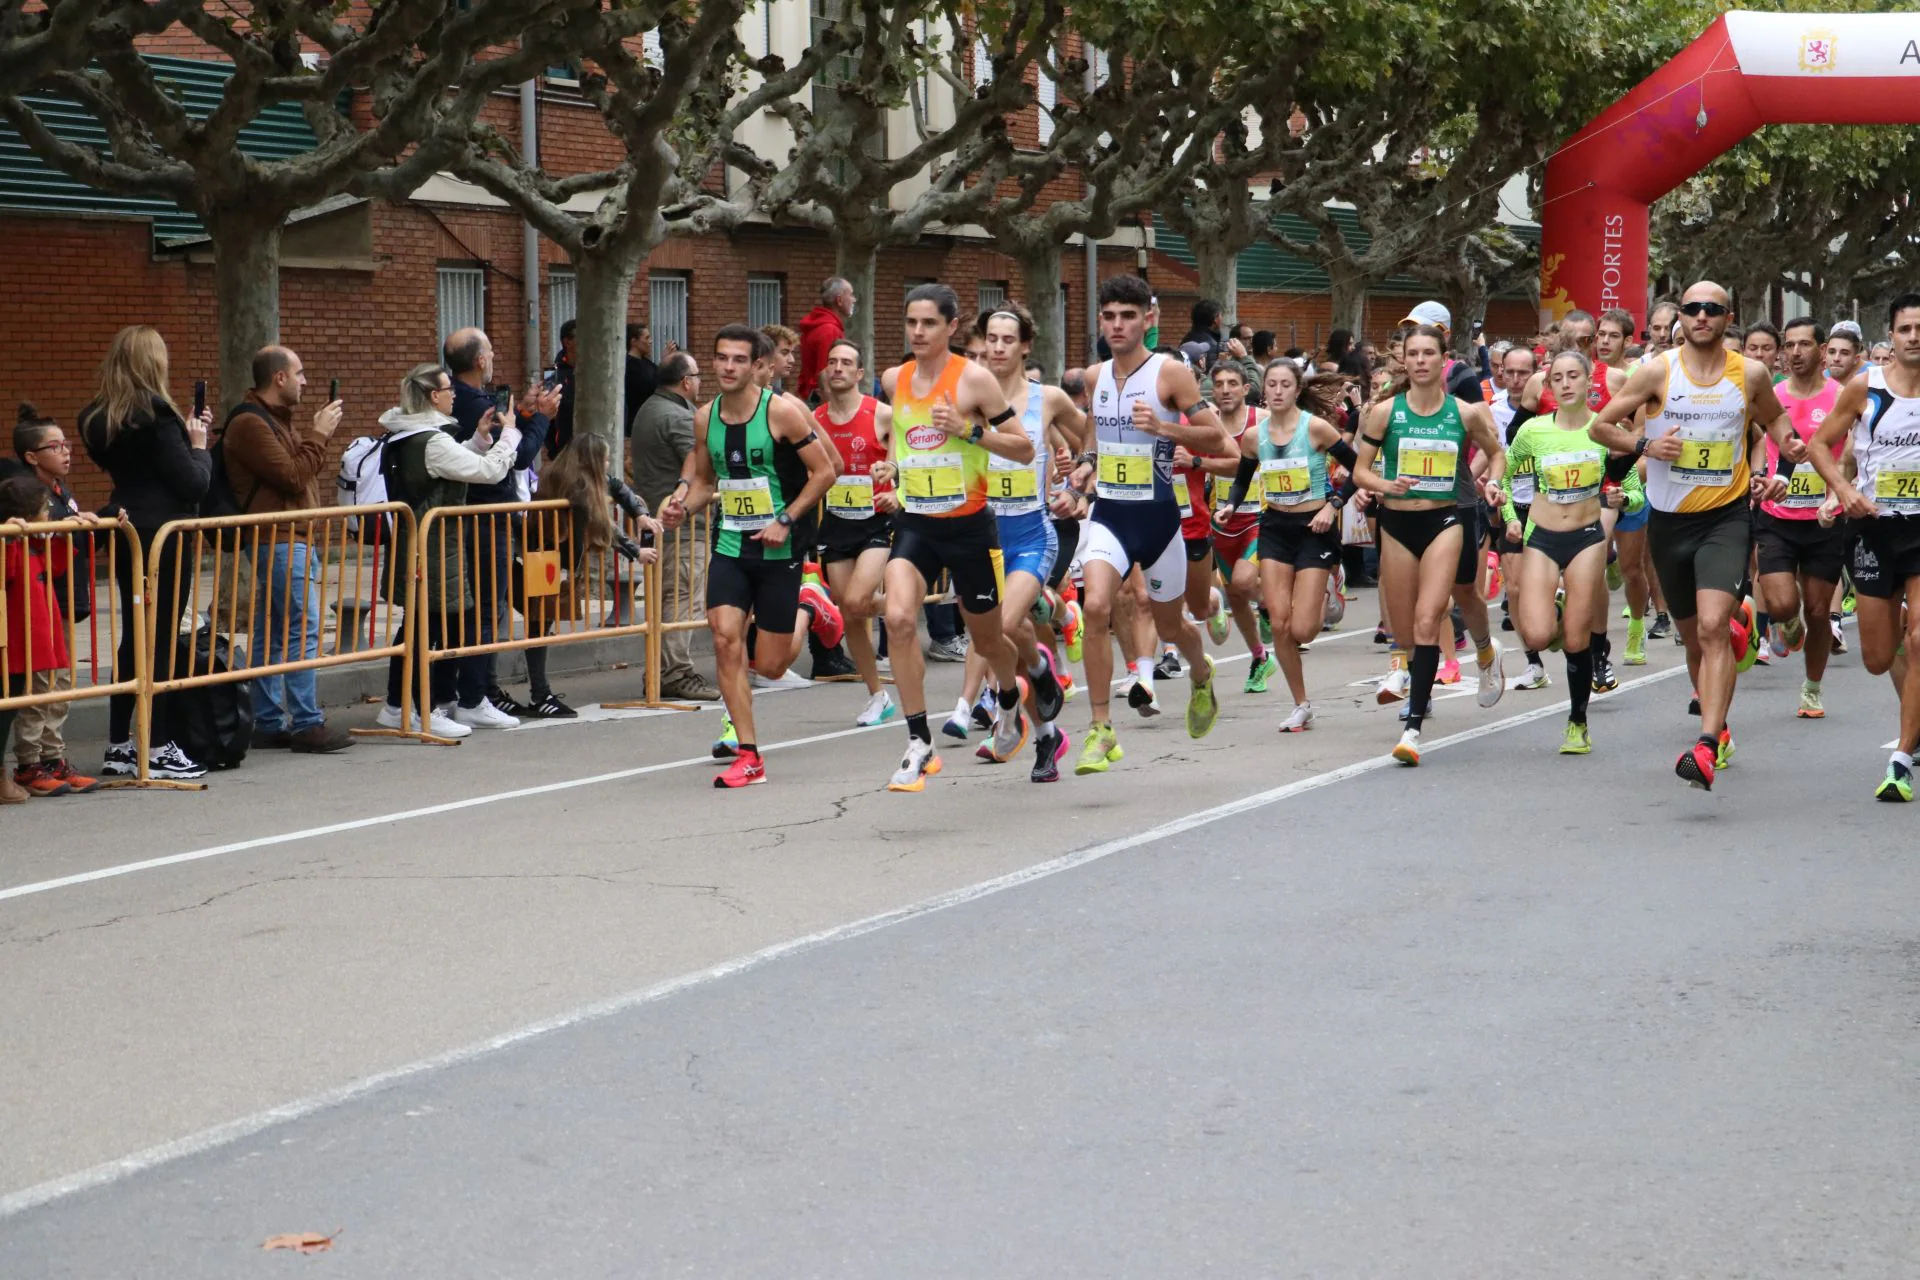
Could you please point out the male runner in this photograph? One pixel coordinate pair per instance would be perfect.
(1628, 567)
(1515, 371)
(856, 530)
(761, 458)
(1881, 407)
(1138, 401)
(1846, 352)
(949, 419)
(1234, 537)
(1761, 344)
(1702, 402)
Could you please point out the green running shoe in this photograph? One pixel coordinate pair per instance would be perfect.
(1202, 707)
(1577, 741)
(727, 745)
(1615, 579)
(1263, 671)
(1898, 787)
(1101, 749)
(1846, 603)
(1636, 655)
(1723, 758)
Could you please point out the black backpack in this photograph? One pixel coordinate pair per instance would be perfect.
(220, 499)
(212, 723)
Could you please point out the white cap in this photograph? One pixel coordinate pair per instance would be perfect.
(1849, 328)
(1430, 313)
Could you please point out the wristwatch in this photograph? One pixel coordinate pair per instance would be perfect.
(784, 520)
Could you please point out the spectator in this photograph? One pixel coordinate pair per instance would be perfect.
(561, 429)
(39, 738)
(469, 357)
(1344, 356)
(36, 635)
(642, 374)
(1882, 354)
(277, 467)
(1074, 383)
(426, 467)
(1264, 342)
(662, 437)
(820, 328)
(1206, 329)
(158, 462)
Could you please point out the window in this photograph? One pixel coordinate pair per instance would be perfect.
(821, 15)
(462, 293)
(993, 293)
(1100, 64)
(564, 75)
(667, 312)
(653, 53)
(1044, 101)
(982, 62)
(563, 300)
(766, 302)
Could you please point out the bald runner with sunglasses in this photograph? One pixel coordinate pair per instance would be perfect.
(1703, 404)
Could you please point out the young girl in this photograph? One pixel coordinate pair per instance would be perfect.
(36, 638)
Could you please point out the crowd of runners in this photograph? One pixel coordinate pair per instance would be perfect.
(1739, 488)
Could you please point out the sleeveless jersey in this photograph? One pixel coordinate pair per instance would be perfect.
(1711, 421)
(1020, 488)
(1599, 393)
(1566, 464)
(1805, 489)
(1886, 447)
(758, 476)
(1134, 470)
(1247, 518)
(1291, 474)
(940, 475)
(1429, 449)
(851, 495)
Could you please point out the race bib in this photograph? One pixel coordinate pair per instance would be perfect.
(1522, 485)
(1430, 465)
(1571, 477)
(1284, 481)
(1806, 488)
(1183, 491)
(1012, 487)
(851, 497)
(746, 506)
(1897, 492)
(932, 484)
(1126, 472)
(1703, 461)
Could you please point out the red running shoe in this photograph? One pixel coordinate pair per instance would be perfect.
(828, 625)
(1695, 766)
(747, 770)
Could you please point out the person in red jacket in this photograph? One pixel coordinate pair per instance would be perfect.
(821, 327)
(36, 636)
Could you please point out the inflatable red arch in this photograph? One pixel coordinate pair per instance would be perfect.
(1746, 70)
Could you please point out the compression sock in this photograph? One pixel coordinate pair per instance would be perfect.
(747, 749)
(1580, 681)
(1533, 656)
(1426, 665)
(917, 727)
(1259, 653)
(1600, 645)
(1010, 698)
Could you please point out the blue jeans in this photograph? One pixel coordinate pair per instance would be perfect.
(286, 628)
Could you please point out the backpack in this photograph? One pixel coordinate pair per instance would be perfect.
(362, 480)
(219, 499)
(212, 723)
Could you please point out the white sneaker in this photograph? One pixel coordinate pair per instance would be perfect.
(1534, 677)
(169, 761)
(790, 680)
(1407, 750)
(880, 709)
(1009, 735)
(1493, 677)
(916, 766)
(484, 716)
(1301, 720)
(439, 725)
(1395, 688)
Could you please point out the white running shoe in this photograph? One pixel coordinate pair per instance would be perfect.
(1534, 677)
(880, 709)
(440, 725)
(1493, 677)
(1009, 735)
(916, 767)
(1141, 697)
(1301, 720)
(484, 716)
(168, 761)
(1217, 621)
(1395, 688)
(1407, 750)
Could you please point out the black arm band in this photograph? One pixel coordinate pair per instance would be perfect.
(1347, 489)
(806, 439)
(1619, 464)
(1005, 415)
(1196, 407)
(1342, 452)
(1242, 477)
(1378, 444)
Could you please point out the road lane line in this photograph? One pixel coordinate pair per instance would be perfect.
(222, 1135)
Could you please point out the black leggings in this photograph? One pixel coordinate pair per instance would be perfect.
(166, 631)
(447, 678)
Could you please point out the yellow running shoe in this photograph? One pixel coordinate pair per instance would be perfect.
(1101, 749)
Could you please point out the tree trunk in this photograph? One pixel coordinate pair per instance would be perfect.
(1040, 273)
(1348, 301)
(1219, 268)
(854, 260)
(605, 281)
(246, 288)
(1468, 302)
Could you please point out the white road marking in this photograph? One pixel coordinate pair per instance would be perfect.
(235, 1130)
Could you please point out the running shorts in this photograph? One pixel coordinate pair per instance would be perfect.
(1287, 538)
(1067, 534)
(1165, 570)
(1887, 555)
(1028, 544)
(1467, 572)
(1633, 523)
(1229, 549)
(1199, 548)
(966, 548)
(842, 539)
(769, 590)
(1416, 530)
(1562, 545)
(1799, 546)
(1697, 551)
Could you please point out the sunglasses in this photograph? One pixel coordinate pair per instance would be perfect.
(1715, 309)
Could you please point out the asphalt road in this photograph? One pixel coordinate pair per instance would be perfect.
(1250, 1006)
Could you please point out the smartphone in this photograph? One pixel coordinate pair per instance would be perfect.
(549, 377)
(333, 390)
(503, 399)
(199, 397)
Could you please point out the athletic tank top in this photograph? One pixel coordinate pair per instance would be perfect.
(1805, 489)
(1135, 470)
(1247, 517)
(1565, 463)
(1020, 488)
(940, 475)
(1291, 474)
(758, 476)
(1429, 449)
(858, 439)
(1599, 393)
(1711, 421)
(1886, 447)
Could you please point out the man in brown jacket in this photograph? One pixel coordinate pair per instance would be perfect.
(275, 466)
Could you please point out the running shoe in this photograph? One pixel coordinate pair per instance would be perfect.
(1067, 687)
(169, 761)
(1839, 634)
(1407, 750)
(727, 745)
(986, 709)
(1743, 631)
(1604, 681)
(551, 708)
(120, 761)
(1264, 625)
(78, 783)
(1636, 655)
(1217, 621)
(1810, 707)
(747, 770)
(828, 625)
(40, 781)
(1395, 687)
(1626, 611)
(880, 708)
(1794, 632)
(1615, 578)
(1047, 754)
(1662, 627)
(1048, 696)
(1493, 677)
(1301, 720)
(952, 649)
(1009, 735)
(1449, 672)
(1898, 787)
(1203, 708)
(920, 763)
(1695, 766)
(507, 705)
(1073, 630)
(1576, 741)
(1169, 667)
(1693, 705)
(957, 725)
(1141, 697)
(1559, 629)
(1101, 749)
(1380, 635)
(1723, 758)
(1534, 677)
(1846, 603)
(1261, 672)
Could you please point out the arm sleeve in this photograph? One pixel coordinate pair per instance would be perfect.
(1342, 452)
(1243, 477)
(1622, 465)
(1635, 487)
(447, 460)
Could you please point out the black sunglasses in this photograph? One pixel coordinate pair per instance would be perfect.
(1715, 309)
